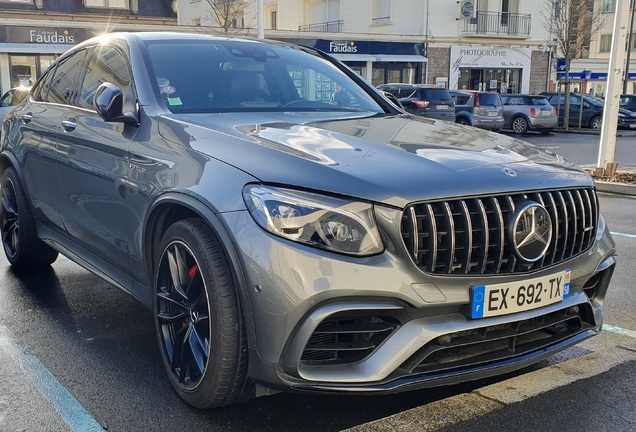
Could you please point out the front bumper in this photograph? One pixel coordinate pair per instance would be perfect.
(405, 329)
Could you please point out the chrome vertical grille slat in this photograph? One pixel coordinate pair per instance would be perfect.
(471, 235)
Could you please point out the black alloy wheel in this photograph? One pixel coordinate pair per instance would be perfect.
(21, 245)
(199, 326)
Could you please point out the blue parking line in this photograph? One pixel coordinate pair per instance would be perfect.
(71, 411)
(622, 234)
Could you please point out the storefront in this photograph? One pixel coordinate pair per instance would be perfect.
(376, 61)
(591, 80)
(506, 70)
(25, 52)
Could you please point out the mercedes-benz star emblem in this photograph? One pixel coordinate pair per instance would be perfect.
(532, 232)
(509, 172)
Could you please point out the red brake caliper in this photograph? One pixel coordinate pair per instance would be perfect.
(192, 272)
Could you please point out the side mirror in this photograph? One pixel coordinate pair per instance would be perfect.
(391, 97)
(109, 103)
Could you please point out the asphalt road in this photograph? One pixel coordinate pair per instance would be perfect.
(72, 343)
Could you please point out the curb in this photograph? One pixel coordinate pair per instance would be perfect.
(616, 188)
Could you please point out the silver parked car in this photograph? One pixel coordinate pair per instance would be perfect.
(482, 109)
(523, 112)
(284, 242)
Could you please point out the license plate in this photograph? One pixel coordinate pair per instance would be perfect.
(442, 106)
(492, 113)
(546, 112)
(507, 298)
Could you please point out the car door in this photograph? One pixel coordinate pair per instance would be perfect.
(39, 123)
(92, 163)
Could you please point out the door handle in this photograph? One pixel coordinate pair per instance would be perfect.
(26, 118)
(68, 125)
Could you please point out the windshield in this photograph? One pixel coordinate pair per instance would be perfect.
(233, 75)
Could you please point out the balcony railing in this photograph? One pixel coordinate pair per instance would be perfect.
(324, 27)
(499, 23)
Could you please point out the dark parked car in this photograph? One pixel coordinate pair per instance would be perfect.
(284, 242)
(592, 111)
(480, 109)
(423, 99)
(523, 112)
(628, 102)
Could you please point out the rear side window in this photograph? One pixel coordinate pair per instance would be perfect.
(489, 99)
(540, 101)
(434, 95)
(461, 99)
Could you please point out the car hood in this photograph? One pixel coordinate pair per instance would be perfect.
(390, 159)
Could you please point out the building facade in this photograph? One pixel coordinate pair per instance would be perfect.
(471, 44)
(591, 73)
(35, 32)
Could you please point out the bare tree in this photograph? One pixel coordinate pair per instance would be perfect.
(232, 16)
(571, 24)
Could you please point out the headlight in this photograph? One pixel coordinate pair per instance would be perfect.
(324, 222)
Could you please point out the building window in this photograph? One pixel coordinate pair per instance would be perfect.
(381, 12)
(274, 18)
(606, 43)
(111, 4)
(609, 6)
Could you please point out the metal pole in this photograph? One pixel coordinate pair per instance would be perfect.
(629, 48)
(614, 76)
(260, 20)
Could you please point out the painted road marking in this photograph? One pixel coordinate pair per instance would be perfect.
(69, 409)
(622, 234)
(618, 330)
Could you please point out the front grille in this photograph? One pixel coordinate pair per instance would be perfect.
(470, 236)
(342, 339)
(495, 343)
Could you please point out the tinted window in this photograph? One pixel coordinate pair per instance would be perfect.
(64, 86)
(461, 99)
(434, 95)
(489, 99)
(41, 89)
(107, 64)
(12, 98)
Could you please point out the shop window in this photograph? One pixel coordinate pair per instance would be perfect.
(381, 12)
(23, 70)
(273, 19)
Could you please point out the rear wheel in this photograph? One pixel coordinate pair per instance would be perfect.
(21, 245)
(519, 125)
(596, 122)
(464, 121)
(199, 324)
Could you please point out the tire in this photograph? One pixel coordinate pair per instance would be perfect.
(195, 301)
(21, 245)
(463, 121)
(596, 122)
(519, 125)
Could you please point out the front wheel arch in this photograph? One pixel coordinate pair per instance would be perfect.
(173, 207)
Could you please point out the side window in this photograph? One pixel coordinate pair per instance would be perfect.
(41, 88)
(65, 81)
(107, 64)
